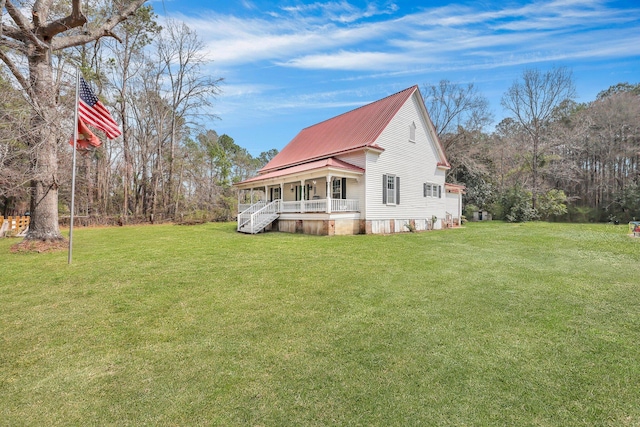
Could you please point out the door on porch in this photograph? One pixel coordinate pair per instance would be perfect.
(274, 194)
(339, 188)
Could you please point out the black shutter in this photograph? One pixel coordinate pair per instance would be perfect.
(271, 194)
(440, 191)
(384, 189)
(344, 188)
(397, 190)
(424, 189)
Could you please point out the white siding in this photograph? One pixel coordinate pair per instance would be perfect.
(414, 162)
(454, 204)
(355, 190)
(357, 159)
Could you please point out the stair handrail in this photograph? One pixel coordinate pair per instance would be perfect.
(271, 208)
(245, 216)
(257, 205)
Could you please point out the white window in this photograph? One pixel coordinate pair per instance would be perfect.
(389, 189)
(412, 132)
(432, 190)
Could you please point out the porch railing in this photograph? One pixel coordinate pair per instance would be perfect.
(300, 206)
(286, 207)
(344, 205)
(337, 205)
(315, 205)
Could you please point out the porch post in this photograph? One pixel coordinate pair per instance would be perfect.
(282, 191)
(328, 194)
(251, 196)
(266, 197)
(302, 191)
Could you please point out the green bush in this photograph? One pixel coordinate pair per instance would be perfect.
(626, 204)
(517, 203)
(469, 210)
(552, 204)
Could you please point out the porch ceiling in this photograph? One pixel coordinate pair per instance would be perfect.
(298, 172)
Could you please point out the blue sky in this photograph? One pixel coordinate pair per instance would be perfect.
(290, 64)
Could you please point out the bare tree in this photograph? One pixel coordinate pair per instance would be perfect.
(533, 101)
(184, 87)
(605, 135)
(14, 157)
(459, 113)
(27, 46)
(136, 34)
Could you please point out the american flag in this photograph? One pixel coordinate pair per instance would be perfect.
(91, 110)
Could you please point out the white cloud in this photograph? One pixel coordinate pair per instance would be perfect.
(342, 12)
(347, 60)
(339, 36)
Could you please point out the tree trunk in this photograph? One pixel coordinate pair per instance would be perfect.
(44, 159)
(534, 192)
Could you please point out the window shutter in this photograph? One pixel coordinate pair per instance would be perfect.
(439, 191)
(424, 189)
(344, 188)
(384, 189)
(397, 190)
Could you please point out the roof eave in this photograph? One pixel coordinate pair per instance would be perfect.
(284, 178)
(367, 147)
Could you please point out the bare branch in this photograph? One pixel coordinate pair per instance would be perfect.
(24, 83)
(76, 19)
(24, 25)
(14, 44)
(2, 2)
(103, 31)
(18, 17)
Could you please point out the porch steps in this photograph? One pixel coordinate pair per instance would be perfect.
(259, 215)
(258, 227)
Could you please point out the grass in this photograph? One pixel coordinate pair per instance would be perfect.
(494, 324)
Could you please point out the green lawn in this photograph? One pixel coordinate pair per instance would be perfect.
(494, 324)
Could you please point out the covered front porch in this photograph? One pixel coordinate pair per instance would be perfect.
(313, 192)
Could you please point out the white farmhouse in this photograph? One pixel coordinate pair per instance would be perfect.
(377, 169)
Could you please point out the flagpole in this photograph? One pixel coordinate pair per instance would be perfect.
(73, 173)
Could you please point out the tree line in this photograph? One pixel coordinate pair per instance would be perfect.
(550, 158)
(166, 164)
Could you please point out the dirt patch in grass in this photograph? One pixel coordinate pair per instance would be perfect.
(39, 246)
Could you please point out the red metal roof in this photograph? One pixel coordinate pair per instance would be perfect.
(318, 164)
(355, 129)
(454, 188)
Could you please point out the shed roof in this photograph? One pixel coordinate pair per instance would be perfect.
(349, 131)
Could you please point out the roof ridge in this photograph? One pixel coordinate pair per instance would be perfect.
(357, 128)
(360, 107)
